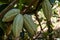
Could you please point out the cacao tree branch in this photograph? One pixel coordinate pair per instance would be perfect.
(8, 8)
(27, 8)
(35, 11)
(37, 14)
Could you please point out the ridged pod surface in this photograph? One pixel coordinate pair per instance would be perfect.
(17, 25)
(9, 16)
(29, 25)
(46, 6)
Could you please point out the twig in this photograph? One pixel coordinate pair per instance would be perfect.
(38, 4)
(37, 14)
(35, 11)
(8, 8)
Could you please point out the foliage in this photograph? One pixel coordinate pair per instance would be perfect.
(33, 14)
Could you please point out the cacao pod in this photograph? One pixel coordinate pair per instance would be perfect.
(46, 6)
(29, 25)
(9, 16)
(17, 25)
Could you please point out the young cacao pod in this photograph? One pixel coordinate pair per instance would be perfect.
(29, 25)
(46, 6)
(17, 25)
(9, 16)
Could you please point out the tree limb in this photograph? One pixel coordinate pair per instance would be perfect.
(8, 8)
(27, 8)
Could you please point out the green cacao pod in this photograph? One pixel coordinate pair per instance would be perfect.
(29, 25)
(17, 25)
(46, 6)
(9, 16)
